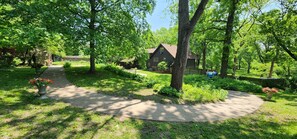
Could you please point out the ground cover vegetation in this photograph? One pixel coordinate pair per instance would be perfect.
(22, 115)
(237, 38)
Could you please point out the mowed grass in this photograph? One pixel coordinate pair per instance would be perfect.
(23, 115)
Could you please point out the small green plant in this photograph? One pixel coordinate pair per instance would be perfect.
(158, 87)
(162, 66)
(226, 83)
(292, 83)
(169, 91)
(119, 71)
(67, 65)
(203, 94)
(150, 83)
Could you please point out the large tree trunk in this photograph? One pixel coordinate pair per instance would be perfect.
(272, 65)
(182, 45)
(239, 63)
(198, 60)
(204, 57)
(234, 63)
(249, 67)
(24, 58)
(271, 69)
(228, 39)
(185, 29)
(92, 36)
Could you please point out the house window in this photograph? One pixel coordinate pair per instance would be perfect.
(156, 59)
(161, 50)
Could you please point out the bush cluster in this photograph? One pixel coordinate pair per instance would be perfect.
(166, 90)
(192, 93)
(292, 83)
(149, 82)
(67, 65)
(162, 66)
(119, 71)
(226, 83)
(203, 94)
(169, 91)
(157, 87)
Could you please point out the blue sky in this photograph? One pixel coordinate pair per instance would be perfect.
(160, 17)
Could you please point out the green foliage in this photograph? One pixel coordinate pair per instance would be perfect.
(203, 94)
(162, 66)
(67, 65)
(20, 109)
(292, 83)
(158, 87)
(164, 35)
(7, 56)
(219, 83)
(6, 62)
(169, 91)
(149, 82)
(119, 71)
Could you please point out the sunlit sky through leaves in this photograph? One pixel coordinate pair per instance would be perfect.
(161, 16)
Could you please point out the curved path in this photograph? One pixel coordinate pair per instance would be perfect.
(237, 104)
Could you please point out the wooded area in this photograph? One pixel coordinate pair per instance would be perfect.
(238, 38)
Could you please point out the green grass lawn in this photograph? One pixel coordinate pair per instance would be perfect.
(107, 82)
(110, 83)
(73, 63)
(254, 74)
(23, 115)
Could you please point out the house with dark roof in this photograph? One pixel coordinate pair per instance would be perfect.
(167, 53)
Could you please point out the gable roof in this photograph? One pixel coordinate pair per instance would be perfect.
(151, 50)
(172, 49)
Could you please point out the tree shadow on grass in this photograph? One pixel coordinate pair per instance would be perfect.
(30, 117)
(52, 119)
(19, 99)
(16, 78)
(286, 96)
(235, 128)
(112, 84)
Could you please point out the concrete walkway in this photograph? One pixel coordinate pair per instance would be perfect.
(238, 103)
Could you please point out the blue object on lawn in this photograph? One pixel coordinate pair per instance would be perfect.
(210, 74)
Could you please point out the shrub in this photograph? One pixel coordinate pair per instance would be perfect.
(169, 91)
(158, 87)
(292, 83)
(150, 83)
(219, 83)
(119, 71)
(67, 65)
(162, 66)
(7, 56)
(203, 94)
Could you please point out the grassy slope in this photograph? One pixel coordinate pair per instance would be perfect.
(22, 115)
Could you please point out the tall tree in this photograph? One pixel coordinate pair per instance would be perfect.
(185, 29)
(103, 20)
(228, 38)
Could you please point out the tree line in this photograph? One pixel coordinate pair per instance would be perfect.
(226, 35)
(230, 32)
